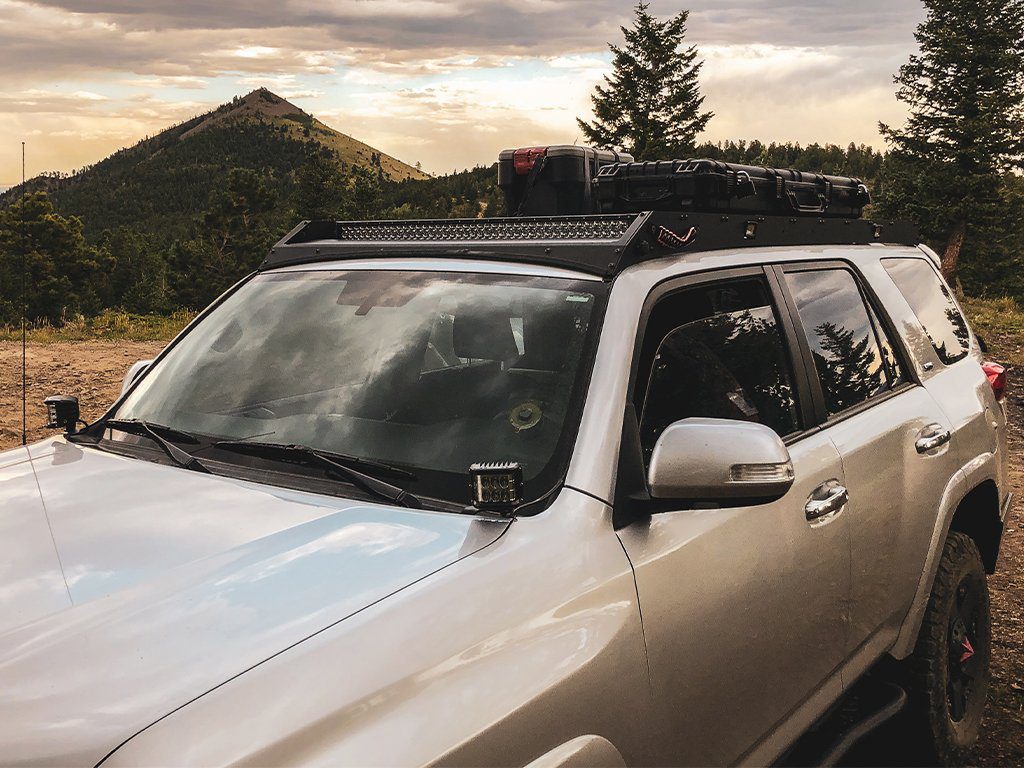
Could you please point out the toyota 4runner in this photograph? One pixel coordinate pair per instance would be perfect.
(662, 481)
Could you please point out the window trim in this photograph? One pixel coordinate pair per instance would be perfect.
(823, 419)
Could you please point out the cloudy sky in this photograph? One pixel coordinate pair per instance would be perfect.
(444, 82)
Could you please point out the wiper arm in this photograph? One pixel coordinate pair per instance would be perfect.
(336, 464)
(265, 449)
(170, 433)
(174, 453)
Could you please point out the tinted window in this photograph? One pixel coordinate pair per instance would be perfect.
(892, 362)
(841, 336)
(934, 307)
(716, 351)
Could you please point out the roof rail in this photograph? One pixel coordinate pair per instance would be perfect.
(598, 244)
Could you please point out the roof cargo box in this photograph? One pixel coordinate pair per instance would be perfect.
(540, 181)
(710, 186)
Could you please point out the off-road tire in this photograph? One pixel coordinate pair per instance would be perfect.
(944, 725)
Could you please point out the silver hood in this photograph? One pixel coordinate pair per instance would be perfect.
(129, 588)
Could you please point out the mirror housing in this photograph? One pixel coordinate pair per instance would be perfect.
(134, 372)
(719, 460)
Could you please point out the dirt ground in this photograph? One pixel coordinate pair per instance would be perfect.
(92, 370)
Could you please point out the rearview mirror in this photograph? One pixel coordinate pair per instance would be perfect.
(719, 460)
(134, 372)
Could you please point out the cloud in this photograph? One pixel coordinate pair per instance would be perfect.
(167, 81)
(447, 82)
(286, 86)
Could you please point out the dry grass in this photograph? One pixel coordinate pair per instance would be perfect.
(110, 325)
(1000, 322)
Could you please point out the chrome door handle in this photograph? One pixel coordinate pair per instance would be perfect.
(932, 436)
(837, 498)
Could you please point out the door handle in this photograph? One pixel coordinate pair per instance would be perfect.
(932, 436)
(833, 502)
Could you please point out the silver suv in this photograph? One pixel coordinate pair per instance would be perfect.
(549, 492)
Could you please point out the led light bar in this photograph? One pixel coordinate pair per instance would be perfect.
(610, 228)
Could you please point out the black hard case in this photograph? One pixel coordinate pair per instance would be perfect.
(562, 184)
(712, 186)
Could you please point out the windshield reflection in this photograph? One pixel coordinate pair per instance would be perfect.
(432, 371)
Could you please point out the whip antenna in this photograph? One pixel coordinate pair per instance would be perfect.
(24, 310)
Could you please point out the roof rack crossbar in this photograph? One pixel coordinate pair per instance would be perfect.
(601, 244)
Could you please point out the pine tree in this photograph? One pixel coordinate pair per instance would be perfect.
(321, 189)
(965, 131)
(66, 275)
(650, 105)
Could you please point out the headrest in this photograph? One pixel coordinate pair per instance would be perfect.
(484, 333)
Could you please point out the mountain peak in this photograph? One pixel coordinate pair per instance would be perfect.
(263, 105)
(261, 102)
(264, 101)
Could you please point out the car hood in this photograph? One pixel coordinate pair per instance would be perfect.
(128, 588)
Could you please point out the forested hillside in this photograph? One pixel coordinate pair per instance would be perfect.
(173, 221)
(158, 186)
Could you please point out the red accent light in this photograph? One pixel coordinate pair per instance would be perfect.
(524, 159)
(996, 375)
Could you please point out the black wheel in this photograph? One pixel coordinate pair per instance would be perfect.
(950, 665)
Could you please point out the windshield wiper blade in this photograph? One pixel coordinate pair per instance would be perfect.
(258, 448)
(336, 464)
(174, 453)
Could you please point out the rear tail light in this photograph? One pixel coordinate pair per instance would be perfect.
(524, 159)
(996, 377)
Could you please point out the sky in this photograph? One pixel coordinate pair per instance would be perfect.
(447, 83)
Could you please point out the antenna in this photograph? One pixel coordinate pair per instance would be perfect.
(24, 310)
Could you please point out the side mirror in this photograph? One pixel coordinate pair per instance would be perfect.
(134, 372)
(719, 460)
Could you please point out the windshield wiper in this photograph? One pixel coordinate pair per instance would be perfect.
(170, 433)
(263, 448)
(147, 429)
(337, 464)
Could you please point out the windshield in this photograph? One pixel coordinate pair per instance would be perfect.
(429, 371)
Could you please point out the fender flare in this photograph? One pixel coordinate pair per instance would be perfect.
(589, 751)
(979, 469)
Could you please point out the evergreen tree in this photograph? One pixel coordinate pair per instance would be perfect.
(232, 239)
(138, 280)
(321, 189)
(365, 195)
(965, 131)
(66, 276)
(849, 371)
(650, 106)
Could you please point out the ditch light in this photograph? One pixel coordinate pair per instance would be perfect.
(496, 487)
(62, 412)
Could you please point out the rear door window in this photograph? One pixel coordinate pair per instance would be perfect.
(931, 301)
(843, 341)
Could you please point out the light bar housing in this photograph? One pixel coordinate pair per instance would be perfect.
(496, 486)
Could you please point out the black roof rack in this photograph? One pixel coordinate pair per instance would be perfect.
(602, 244)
